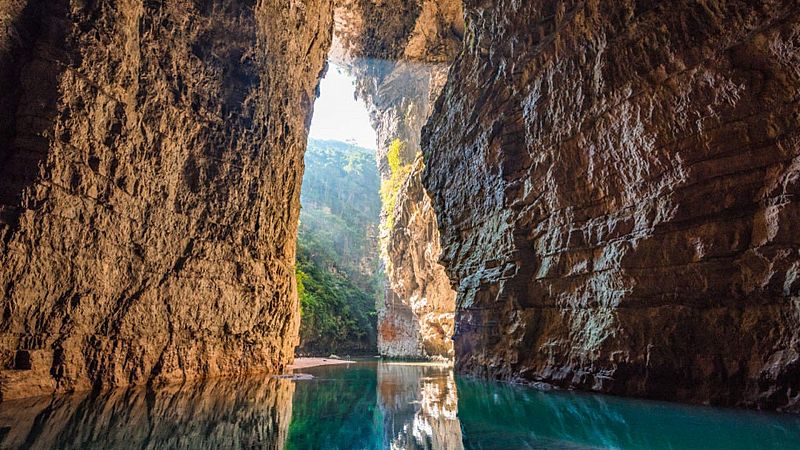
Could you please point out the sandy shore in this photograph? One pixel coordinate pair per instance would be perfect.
(305, 363)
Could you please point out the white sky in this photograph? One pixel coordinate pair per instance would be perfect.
(337, 115)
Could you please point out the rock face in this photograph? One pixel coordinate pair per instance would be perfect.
(149, 186)
(399, 52)
(616, 185)
(418, 319)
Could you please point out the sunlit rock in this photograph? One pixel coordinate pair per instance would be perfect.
(400, 52)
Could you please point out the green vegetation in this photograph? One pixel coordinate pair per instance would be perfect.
(337, 315)
(391, 187)
(338, 269)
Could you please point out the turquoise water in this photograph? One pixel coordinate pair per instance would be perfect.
(374, 406)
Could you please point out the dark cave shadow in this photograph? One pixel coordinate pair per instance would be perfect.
(31, 65)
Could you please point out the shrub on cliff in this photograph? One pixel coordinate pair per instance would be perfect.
(391, 186)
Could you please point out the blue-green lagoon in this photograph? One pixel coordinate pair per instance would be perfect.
(378, 405)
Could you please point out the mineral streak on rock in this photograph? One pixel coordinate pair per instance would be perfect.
(616, 184)
(399, 52)
(151, 160)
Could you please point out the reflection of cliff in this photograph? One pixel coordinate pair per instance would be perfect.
(216, 414)
(419, 406)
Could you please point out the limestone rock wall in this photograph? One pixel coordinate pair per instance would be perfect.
(399, 52)
(616, 184)
(151, 161)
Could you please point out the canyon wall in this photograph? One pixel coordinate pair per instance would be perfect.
(399, 52)
(149, 187)
(418, 318)
(616, 185)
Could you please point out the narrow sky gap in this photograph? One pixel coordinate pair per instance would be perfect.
(338, 115)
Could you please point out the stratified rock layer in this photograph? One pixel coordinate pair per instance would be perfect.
(399, 52)
(616, 185)
(149, 187)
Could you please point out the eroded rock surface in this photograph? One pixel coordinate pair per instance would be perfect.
(616, 185)
(149, 186)
(400, 51)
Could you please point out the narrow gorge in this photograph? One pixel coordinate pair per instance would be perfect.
(588, 195)
(400, 55)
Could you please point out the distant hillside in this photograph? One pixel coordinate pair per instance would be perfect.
(338, 268)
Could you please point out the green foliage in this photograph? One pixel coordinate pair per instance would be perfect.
(338, 270)
(391, 186)
(336, 314)
(393, 155)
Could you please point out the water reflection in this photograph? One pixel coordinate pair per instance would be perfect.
(220, 414)
(336, 410)
(419, 406)
(505, 416)
(378, 406)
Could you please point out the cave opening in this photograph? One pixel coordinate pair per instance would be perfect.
(368, 270)
(339, 272)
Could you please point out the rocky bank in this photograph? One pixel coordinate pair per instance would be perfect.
(616, 186)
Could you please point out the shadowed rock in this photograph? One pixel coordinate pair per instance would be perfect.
(616, 187)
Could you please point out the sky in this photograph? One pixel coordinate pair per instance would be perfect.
(337, 115)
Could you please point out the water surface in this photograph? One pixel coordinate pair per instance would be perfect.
(383, 405)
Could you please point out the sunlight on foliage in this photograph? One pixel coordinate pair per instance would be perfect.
(335, 312)
(394, 155)
(391, 187)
